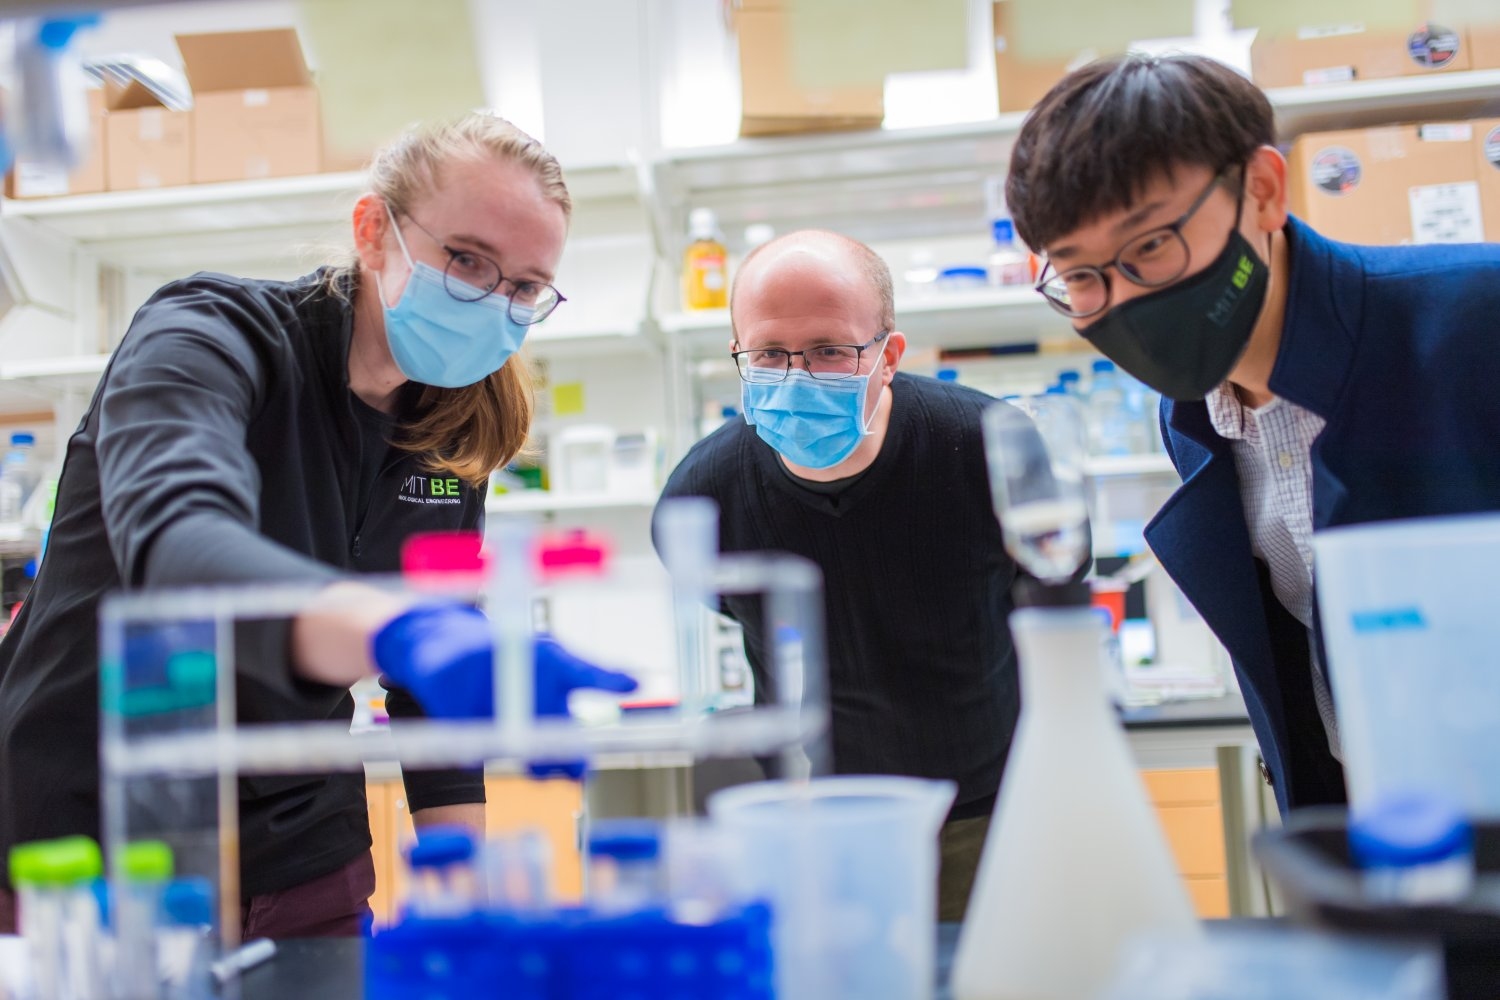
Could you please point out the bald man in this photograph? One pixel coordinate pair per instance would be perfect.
(880, 479)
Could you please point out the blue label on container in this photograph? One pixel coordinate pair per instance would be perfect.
(1390, 620)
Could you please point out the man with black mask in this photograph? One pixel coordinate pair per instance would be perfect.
(1307, 383)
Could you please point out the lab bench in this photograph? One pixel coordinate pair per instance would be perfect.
(1198, 760)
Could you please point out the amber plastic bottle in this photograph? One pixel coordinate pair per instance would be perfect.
(705, 264)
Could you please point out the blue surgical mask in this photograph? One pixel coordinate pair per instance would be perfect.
(814, 423)
(438, 340)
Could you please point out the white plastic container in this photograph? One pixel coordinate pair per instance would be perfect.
(1410, 616)
(1076, 862)
(18, 477)
(850, 868)
(1110, 421)
(581, 458)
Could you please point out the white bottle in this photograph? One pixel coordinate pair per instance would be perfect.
(1110, 423)
(921, 274)
(18, 477)
(1075, 863)
(1009, 264)
(1142, 416)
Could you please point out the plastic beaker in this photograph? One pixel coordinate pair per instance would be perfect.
(1409, 612)
(849, 866)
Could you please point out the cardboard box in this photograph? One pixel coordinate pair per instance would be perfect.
(255, 109)
(28, 180)
(148, 145)
(1338, 54)
(1484, 46)
(1396, 184)
(1487, 171)
(1023, 82)
(771, 101)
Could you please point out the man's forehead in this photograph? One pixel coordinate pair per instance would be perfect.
(803, 256)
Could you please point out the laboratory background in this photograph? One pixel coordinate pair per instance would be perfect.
(1139, 849)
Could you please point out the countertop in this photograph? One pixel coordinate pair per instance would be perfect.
(1228, 710)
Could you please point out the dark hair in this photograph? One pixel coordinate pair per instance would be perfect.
(1107, 130)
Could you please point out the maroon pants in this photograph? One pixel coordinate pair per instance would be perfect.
(335, 905)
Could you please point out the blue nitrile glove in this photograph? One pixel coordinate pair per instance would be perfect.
(444, 655)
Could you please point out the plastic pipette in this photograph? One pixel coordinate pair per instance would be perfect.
(688, 533)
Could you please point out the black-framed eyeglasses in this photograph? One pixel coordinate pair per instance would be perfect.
(1154, 258)
(828, 362)
(471, 276)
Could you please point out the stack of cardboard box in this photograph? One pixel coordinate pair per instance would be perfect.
(1338, 54)
(1022, 81)
(146, 144)
(31, 180)
(773, 103)
(255, 114)
(1437, 182)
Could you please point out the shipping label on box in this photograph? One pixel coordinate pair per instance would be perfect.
(1446, 213)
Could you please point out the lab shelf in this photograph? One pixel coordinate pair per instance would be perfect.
(544, 502)
(988, 317)
(888, 184)
(1361, 103)
(569, 342)
(19, 540)
(927, 171)
(51, 378)
(193, 226)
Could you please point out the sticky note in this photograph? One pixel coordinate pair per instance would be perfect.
(567, 399)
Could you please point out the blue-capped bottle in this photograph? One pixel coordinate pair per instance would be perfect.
(625, 866)
(1413, 849)
(1109, 420)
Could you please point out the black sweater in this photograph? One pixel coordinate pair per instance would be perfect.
(222, 446)
(917, 586)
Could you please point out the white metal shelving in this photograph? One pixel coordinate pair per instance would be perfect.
(885, 184)
(991, 317)
(1360, 103)
(79, 371)
(872, 184)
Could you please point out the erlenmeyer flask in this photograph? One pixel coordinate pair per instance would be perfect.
(1075, 863)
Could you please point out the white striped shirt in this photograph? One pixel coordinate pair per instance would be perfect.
(1271, 454)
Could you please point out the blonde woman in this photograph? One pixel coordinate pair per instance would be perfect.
(262, 431)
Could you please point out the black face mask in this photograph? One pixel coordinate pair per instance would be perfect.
(1185, 339)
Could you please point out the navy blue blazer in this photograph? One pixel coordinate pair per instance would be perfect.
(1398, 350)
